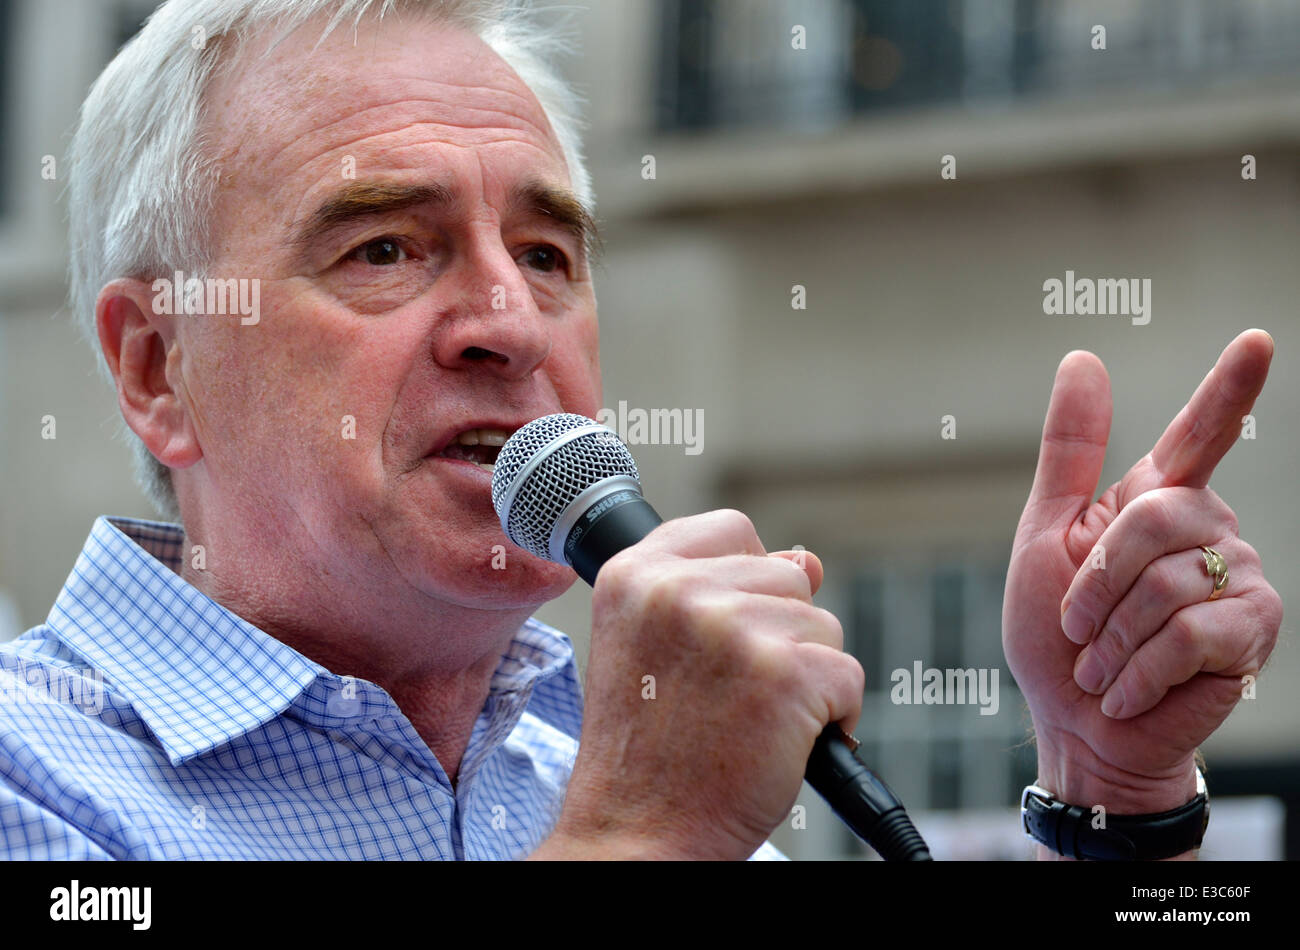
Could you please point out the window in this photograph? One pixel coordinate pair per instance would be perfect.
(943, 613)
(732, 62)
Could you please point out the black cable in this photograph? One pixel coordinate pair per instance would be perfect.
(861, 800)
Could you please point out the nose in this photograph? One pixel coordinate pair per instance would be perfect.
(495, 325)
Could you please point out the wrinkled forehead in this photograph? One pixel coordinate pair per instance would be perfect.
(296, 92)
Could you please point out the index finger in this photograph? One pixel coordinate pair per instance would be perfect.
(711, 534)
(1210, 423)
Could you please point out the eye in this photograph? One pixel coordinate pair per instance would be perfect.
(546, 258)
(381, 252)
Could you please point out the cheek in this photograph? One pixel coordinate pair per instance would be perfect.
(228, 386)
(291, 394)
(575, 371)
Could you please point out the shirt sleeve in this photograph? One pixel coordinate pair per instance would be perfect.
(30, 833)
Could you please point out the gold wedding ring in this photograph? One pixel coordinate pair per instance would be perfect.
(1216, 567)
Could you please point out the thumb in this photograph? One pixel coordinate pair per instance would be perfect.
(810, 562)
(1074, 437)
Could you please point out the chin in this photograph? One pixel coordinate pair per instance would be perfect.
(511, 579)
(473, 565)
(444, 536)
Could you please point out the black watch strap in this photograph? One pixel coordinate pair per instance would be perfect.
(1068, 829)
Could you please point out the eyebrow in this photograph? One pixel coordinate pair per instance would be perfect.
(358, 200)
(541, 200)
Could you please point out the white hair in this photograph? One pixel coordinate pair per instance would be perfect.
(142, 183)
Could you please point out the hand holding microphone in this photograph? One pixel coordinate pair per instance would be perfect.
(711, 672)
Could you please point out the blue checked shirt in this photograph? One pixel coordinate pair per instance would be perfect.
(143, 720)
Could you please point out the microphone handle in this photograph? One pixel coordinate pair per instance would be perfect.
(617, 521)
(860, 799)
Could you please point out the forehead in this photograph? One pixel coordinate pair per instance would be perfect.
(286, 116)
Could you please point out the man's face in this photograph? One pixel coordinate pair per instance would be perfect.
(401, 200)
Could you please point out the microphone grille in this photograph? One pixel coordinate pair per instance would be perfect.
(547, 464)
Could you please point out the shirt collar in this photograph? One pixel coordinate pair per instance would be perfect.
(196, 673)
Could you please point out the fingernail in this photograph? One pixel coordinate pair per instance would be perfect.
(1076, 624)
(1113, 702)
(1088, 671)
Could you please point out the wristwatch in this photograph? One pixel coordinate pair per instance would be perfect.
(1068, 829)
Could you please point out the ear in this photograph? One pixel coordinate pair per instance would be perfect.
(143, 353)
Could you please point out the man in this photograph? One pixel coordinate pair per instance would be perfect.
(326, 662)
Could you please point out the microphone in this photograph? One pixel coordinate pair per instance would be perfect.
(567, 490)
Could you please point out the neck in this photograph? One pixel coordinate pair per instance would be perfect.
(435, 659)
(442, 705)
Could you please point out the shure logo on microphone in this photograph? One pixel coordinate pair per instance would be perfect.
(602, 506)
(684, 427)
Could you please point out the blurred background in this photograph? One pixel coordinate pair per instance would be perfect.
(744, 149)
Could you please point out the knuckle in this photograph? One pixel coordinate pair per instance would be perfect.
(1275, 609)
(1182, 635)
(857, 676)
(768, 660)
(1222, 510)
(815, 624)
(740, 530)
(706, 626)
(1159, 581)
(711, 611)
(1268, 612)
(734, 521)
(1246, 556)
(1156, 513)
(661, 588)
(672, 599)
(830, 624)
(620, 571)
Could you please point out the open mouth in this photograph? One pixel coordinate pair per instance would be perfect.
(480, 446)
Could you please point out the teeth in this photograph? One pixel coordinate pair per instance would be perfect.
(488, 467)
(495, 437)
